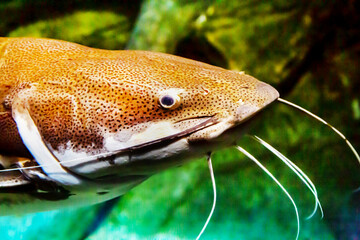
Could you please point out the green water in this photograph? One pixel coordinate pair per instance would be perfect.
(307, 49)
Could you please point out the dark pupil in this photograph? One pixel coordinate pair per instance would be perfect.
(167, 100)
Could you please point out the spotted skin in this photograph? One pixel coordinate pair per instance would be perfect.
(77, 96)
(88, 91)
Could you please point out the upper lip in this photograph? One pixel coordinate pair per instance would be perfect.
(196, 117)
(154, 144)
(165, 140)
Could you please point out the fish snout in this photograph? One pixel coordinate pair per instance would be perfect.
(262, 95)
(266, 93)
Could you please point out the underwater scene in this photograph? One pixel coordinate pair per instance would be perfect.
(306, 186)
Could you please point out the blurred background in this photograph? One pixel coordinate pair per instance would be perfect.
(309, 50)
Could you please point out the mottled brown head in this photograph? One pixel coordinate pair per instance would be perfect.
(87, 101)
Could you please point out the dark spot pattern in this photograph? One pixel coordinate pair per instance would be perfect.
(76, 94)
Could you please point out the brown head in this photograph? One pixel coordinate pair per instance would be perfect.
(136, 111)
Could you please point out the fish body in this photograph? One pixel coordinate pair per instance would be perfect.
(99, 122)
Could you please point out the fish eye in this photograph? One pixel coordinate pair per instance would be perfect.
(169, 101)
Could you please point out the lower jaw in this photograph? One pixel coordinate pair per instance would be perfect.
(142, 166)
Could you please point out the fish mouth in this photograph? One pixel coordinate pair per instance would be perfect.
(164, 141)
(195, 118)
(139, 160)
(156, 143)
(147, 158)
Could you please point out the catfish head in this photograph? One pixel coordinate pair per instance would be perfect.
(95, 119)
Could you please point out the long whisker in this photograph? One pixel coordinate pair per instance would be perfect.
(278, 183)
(303, 177)
(324, 122)
(214, 200)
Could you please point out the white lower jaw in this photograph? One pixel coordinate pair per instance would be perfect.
(86, 164)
